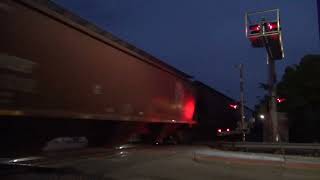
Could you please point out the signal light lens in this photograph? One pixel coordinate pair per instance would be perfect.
(255, 28)
(280, 100)
(234, 106)
(272, 26)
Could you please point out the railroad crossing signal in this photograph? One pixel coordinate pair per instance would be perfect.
(263, 29)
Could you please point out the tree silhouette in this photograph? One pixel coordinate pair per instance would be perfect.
(300, 85)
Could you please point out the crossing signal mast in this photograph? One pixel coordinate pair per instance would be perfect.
(263, 30)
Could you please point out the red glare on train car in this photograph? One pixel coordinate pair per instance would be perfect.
(188, 109)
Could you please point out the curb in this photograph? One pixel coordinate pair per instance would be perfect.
(255, 159)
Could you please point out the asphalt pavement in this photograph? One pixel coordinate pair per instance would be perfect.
(176, 162)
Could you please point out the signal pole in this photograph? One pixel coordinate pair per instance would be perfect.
(272, 102)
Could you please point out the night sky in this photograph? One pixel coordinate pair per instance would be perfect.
(206, 38)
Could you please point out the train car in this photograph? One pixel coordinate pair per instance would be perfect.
(213, 114)
(61, 75)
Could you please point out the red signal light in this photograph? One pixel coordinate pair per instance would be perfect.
(228, 130)
(272, 26)
(255, 28)
(234, 106)
(280, 100)
(219, 130)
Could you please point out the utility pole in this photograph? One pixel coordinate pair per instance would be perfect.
(242, 103)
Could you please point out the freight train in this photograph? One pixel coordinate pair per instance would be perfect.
(60, 75)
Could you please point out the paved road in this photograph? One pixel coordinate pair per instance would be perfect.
(172, 162)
